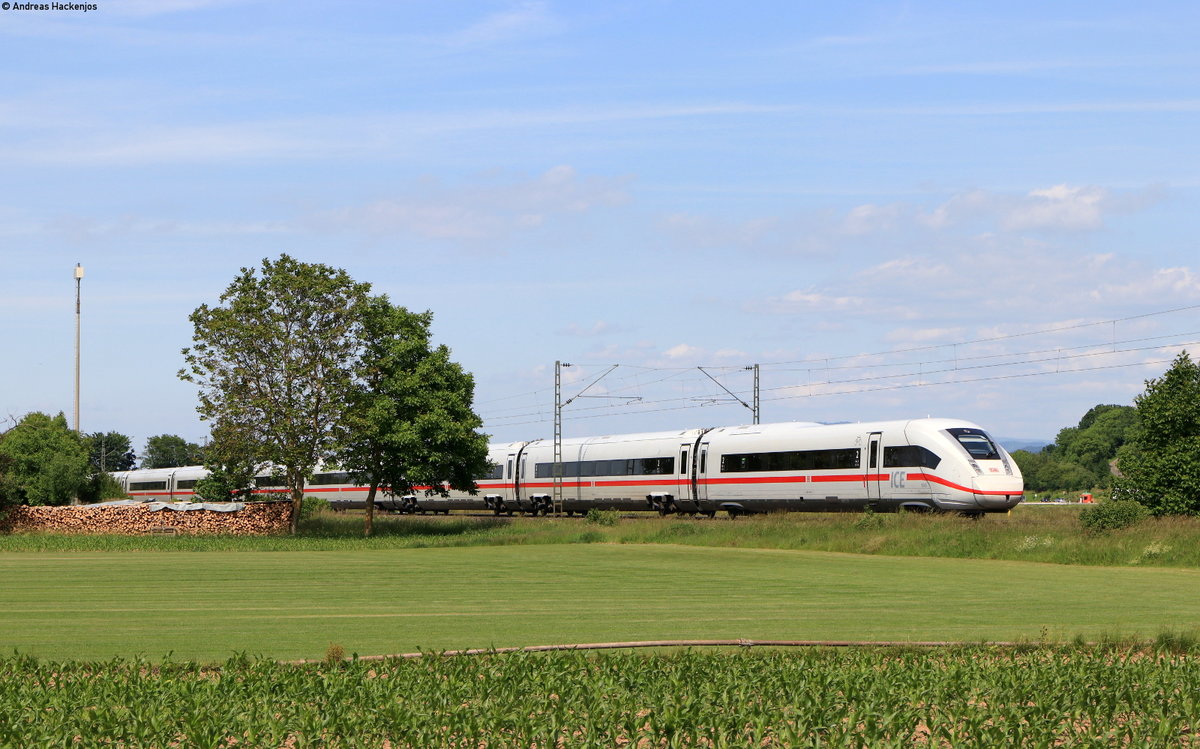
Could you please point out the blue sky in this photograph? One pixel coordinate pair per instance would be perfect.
(897, 209)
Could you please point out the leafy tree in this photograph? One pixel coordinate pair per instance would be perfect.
(111, 451)
(231, 465)
(1081, 455)
(101, 486)
(1043, 472)
(277, 361)
(410, 422)
(171, 450)
(44, 461)
(1160, 465)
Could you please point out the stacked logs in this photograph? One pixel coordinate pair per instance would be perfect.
(255, 519)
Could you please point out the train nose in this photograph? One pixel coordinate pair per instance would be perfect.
(998, 503)
(996, 494)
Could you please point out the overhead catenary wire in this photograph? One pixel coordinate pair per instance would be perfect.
(956, 363)
(898, 386)
(687, 402)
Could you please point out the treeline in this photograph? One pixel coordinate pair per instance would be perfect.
(1082, 457)
(45, 462)
(1148, 453)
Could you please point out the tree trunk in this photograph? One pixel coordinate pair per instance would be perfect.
(369, 520)
(297, 501)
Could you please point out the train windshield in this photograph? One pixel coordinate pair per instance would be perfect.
(976, 442)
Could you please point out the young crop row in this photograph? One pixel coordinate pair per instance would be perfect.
(1041, 697)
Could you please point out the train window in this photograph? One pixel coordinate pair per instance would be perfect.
(683, 464)
(792, 460)
(325, 479)
(268, 481)
(910, 456)
(976, 442)
(656, 466)
(621, 467)
(186, 484)
(509, 468)
(492, 472)
(147, 486)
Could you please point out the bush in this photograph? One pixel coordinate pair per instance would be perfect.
(310, 506)
(102, 487)
(869, 519)
(1107, 516)
(603, 517)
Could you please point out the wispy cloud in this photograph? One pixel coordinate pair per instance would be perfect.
(475, 212)
(521, 22)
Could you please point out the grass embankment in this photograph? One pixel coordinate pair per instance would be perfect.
(1035, 534)
(978, 697)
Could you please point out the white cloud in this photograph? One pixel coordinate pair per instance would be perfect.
(682, 351)
(1059, 208)
(600, 327)
(869, 219)
(1180, 284)
(476, 212)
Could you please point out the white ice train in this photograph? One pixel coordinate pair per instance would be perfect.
(920, 464)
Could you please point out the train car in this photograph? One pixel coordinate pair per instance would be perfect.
(161, 484)
(919, 464)
(922, 464)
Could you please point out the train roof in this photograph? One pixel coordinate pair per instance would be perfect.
(777, 428)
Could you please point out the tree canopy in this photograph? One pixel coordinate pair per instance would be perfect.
(1081, 456)
(410, 425)
(299, 366)
(171, 450)
(275, 362)
(42, 461)
(111, 451)
(1160, 465)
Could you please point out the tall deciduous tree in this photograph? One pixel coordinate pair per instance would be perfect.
(111, 451)
(277, 359)
(411, 425)
(44, 461)
(1160, 465)
(171, 450)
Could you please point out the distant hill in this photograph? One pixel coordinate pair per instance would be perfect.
(1013, 443)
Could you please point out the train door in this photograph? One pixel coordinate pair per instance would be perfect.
(699, 471)
(522, 465)
(683, 483)
(508, 490)
(874, 469)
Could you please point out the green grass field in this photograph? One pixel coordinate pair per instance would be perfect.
(207, 605)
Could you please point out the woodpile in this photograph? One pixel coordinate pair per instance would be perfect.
(255, 519)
